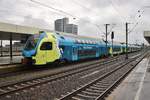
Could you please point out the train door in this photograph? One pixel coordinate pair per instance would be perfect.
(97, 51)
(52, 51)
(47, 52)
(48, 46)
(74, 53)
(110, 50)
(41, 53)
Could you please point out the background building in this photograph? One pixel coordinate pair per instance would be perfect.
(62, 25)
(147, 36)
(71, 28)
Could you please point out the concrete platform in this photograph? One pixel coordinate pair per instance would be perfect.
(136, 86)
(7, 60)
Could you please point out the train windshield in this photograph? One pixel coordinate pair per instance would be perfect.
(32, 42)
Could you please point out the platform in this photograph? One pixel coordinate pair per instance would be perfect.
(6, 60)
(136, 85)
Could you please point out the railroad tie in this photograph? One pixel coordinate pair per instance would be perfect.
(76, 98)
(17, 86)
(93, 90)
(10, 88)
(90, 93)
(3, 91)
(86, 96)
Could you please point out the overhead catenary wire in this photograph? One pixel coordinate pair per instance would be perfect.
(61, 12)
(89, 9)
(45, 5)
(64, 12)
(21, 15)
(137, 22)
(117, 11)
(139, 14)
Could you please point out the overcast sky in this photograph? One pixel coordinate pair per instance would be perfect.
(89, 15)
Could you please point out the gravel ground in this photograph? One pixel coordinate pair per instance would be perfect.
(56, 89)
(35, 73)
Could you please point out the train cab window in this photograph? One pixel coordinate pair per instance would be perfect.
(46, 46)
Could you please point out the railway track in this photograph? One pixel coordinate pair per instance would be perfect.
(101, 87)
(13, 88)
(4, 90)
(67, 67)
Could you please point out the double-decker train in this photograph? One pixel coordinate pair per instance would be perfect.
(46, 47)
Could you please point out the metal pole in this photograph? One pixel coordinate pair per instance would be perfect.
(106, 35)
(126, 40)
(112, 47)
(1, 48)
(11, 46)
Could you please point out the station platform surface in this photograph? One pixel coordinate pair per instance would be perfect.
(6, 60)
(136, 86)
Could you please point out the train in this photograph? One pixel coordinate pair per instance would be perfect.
(48, 47)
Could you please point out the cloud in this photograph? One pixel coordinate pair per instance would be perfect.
(87, 13)
(36, 22)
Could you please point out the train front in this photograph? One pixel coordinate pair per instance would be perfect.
(41, 49)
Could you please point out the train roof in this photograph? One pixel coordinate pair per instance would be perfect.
(78, 38)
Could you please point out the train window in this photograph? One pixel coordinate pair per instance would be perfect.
(87, 42)
(79, 41)
(46, 46)
(82, 41)
(57, 33)
(90, 42)
(32, 42)
(76, 41)
(62, 37)
(53, 36)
